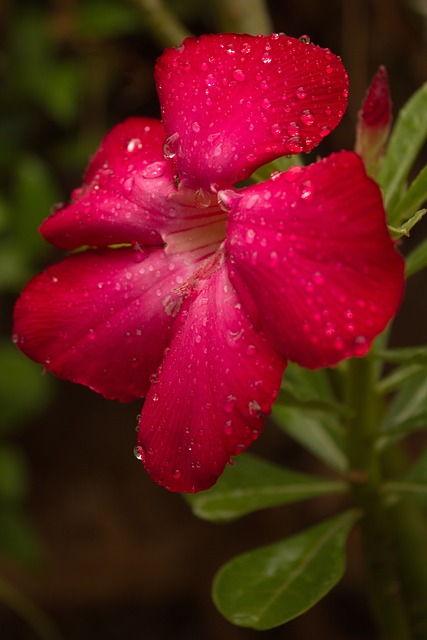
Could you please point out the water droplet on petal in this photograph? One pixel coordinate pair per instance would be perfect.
(294, 144)
(154, 170)
(254, 409)
(169, 145)
(250, 236)
(139, 453)
(176, 474)
(306, 190)
(307, 117)
(239, 75)
(246, 48)
(300, 93)
(133, 145)
(361, 346)
(324, 131)
(228, 428)
(273, 259)
(266, 104)
(293, 173)
(196, 127)
(250, 349)
(305, 39)
(229, 404)
(251, 201)
(202, 198)
(276, 130)
(266, 58)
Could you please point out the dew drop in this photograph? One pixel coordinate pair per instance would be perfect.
(153, 170)
(266, 104)
(276, 130)
(254, 409)
(250, 236)
(239, 75)
(246, 48)
(169, 145)
(202, 198)
(300, 93)
(307, 117)
(305, 39)
(229, 404)
(324, 131)
(176, 474)
(266, 58)
(294, 144)
(273, 259)
(139, 453)
(306, 190)
(196, 127)
(250, 349)
(361, 346)
(251, 201)
(133, 145)
(228, 428)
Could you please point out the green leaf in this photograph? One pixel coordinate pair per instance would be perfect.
(23, 390)
(252, 484)
(417, 259)
(13, 475)
(317, 431)
(14, 271)
(274, 584)
(405, 228)
(407, 138)
(414, 484)
(408, 410)
(415, 196)
(398, 377)
(309, 389)
(281, 164)
(106, 18)
(18, 539)
(405, 355)
(33, 195)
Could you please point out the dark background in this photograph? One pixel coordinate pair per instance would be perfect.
(84, 533)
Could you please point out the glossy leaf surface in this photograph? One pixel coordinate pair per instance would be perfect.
(252, 484)
(276, 583)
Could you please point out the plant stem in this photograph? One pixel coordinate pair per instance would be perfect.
(165, 26)
(365, 477)
(243, 16)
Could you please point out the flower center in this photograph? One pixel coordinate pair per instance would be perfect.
(201, 224)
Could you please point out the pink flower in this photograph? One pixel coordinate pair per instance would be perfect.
(216, 287)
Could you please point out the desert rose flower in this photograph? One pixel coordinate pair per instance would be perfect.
(194, 293)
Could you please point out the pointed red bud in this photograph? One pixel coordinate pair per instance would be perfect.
(374, 121)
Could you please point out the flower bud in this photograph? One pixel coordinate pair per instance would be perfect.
(374, 121)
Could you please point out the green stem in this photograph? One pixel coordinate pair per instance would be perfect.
(164, 25)
(243, 16)
(365, 476)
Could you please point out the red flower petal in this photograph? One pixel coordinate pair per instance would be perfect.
(230, 103)
(102, 318)
(124, 198)
(312, 258)
(216, 381)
